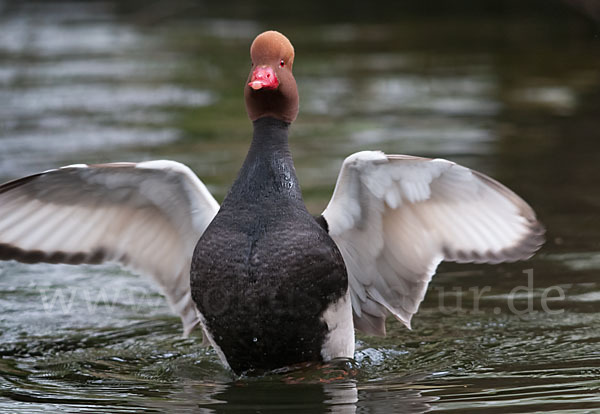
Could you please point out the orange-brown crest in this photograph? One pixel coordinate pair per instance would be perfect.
(272, 45)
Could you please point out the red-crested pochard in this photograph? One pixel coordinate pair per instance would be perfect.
(270, 284)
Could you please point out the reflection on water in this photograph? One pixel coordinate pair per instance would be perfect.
(516, 98)
(77, 80)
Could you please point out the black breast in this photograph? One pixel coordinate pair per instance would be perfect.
(264, 271)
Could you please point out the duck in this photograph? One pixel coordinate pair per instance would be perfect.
(269, 284)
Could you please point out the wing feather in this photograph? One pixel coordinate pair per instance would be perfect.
(396, 217)
(147, 216)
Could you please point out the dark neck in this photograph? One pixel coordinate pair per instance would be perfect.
(268, 172)
(270, 136)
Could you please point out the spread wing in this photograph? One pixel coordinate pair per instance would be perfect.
(396, 217)
(147, 216)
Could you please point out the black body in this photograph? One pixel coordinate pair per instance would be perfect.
(265, 270)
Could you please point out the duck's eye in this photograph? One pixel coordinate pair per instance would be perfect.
(281, 63)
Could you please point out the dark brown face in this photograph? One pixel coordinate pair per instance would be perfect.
(271, 88)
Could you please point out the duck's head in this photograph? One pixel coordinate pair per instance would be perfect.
(271, 88)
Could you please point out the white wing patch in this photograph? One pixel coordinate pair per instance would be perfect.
(148, 216)
(396, 217)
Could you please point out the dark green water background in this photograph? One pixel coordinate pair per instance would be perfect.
(509, 88)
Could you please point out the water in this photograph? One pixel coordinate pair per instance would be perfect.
(515, 95)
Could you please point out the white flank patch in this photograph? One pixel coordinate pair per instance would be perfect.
(340, 340)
